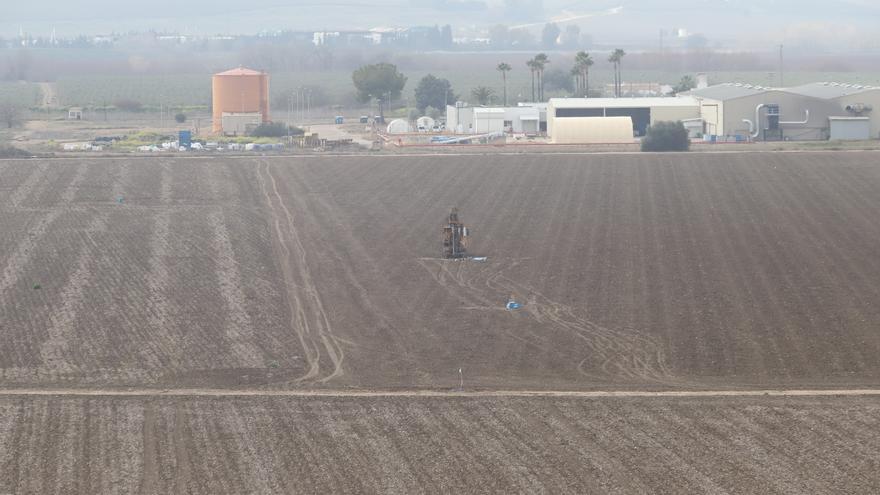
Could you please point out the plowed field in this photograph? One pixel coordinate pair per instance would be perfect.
(636, 272)
(420, 445)
(668, 271)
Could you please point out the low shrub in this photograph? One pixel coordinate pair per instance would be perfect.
(666, 136)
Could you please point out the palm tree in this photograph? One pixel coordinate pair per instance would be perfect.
(504, 68)
(615, 58)
(541, 61)
(578, 82)
(582, 62)
(482, 94)
(533, 67)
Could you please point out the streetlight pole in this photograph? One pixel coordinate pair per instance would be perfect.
(289, 98)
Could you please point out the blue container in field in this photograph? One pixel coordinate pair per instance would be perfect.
(339, 120)
(184, 139)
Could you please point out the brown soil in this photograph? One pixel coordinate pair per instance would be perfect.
(678, 271)
(637, 272)
(437, 445)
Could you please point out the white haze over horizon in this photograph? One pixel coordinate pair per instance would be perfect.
(748, 24)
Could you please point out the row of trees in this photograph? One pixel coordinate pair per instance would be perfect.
(580, 71)
(383, 81)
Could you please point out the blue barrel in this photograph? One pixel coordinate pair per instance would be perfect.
(184, 139)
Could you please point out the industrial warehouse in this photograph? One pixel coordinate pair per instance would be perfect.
(720, 113)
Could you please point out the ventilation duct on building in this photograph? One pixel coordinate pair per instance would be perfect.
(798, 122)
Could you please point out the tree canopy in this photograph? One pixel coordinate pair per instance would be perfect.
(434, 92)
(686, 83)
(378, 80)
(483, 94)
(549, 35)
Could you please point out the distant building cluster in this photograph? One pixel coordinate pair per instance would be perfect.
(730, 112)
(419, 37)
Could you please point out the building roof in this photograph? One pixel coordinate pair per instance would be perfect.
(241, 71)
(829, 90)
(727, 91)
(679, 101)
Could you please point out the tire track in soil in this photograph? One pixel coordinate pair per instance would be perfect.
(150, 470)
(181, 464)
(622, 353)
(26, 188)
(20, 257)
(158, 277)
(62, 321)
(239, 329)
(308, 316)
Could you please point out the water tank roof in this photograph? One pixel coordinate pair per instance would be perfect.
(241, 71)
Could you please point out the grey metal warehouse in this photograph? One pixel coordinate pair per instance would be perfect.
(810, 112)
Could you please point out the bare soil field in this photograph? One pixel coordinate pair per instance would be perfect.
(635, 271)
(676, 272)
(433, 445)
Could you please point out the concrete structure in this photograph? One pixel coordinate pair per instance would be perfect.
(801, 113)
(592, 130)
(75, 113)
(522, 120)
(462, 119)
(642, 112)
(240, 91)
(240, 124)
(850, 128)
(488, 120)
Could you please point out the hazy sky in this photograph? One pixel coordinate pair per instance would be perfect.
(748, 21)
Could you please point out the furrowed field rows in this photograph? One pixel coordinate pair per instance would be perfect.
(659, 271)
(85, 299)
(413, 445)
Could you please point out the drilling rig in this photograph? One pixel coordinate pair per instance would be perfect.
(454, 237)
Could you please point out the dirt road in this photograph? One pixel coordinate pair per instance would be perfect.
(204, 392)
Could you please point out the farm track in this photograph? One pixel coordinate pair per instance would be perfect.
(308, 315)
(592, 394)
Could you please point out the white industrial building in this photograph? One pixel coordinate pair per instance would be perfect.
(462, 119)
(720, 113)
(600, 120)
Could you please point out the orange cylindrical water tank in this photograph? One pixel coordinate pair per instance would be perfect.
(239, 91)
